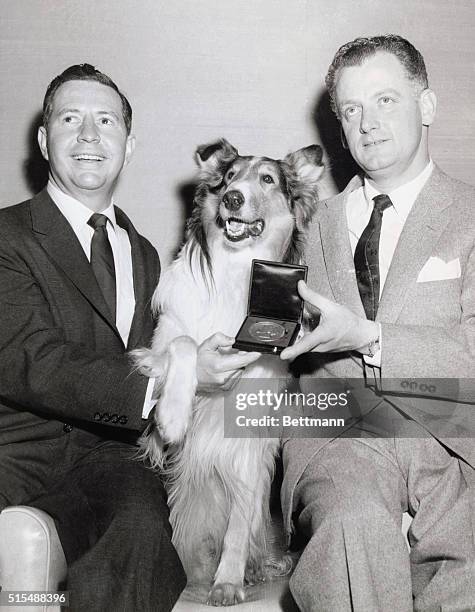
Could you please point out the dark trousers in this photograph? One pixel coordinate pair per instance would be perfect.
(111, 516)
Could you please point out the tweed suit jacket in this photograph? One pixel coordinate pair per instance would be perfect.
(426, 312)
(62, 359)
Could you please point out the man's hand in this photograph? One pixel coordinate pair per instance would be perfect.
(339, 328)
(218, 367)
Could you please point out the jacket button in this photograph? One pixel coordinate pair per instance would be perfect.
(67, 428)
(98, 416)
(123, 420)
(106, 417)
(115, 418)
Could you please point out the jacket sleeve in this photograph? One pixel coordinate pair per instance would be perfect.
(44, 373)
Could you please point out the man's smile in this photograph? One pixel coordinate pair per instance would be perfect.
(373, 143)
(88, 157)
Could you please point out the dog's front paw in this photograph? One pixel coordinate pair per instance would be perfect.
(171, 425)
(226, 594)
(175, 408)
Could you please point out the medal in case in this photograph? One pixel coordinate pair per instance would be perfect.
(274, 308)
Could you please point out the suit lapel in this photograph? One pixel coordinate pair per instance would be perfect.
(337, 251)
(426, 222)
(60, 242)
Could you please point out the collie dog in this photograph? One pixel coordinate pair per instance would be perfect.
(245, 208)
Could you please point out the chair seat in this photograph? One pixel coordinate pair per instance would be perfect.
(267, 597)
(31, 556)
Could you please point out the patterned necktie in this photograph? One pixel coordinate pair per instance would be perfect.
(367, 257)
(102, 260)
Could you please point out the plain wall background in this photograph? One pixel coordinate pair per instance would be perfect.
(251, 71)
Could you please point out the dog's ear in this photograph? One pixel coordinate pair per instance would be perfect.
(304, 170)
(213, 159)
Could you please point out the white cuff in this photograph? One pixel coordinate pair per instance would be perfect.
(375, 360)
(149, 403)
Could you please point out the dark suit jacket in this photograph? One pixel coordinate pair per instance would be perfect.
(62, 359)
(427, 316)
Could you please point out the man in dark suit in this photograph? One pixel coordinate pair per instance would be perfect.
(392, 270)
(75, 286)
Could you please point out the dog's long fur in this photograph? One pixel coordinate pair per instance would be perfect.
(219, 487)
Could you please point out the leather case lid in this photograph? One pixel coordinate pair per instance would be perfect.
(273, 291)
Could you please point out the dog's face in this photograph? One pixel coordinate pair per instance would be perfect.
(253, 196)
(244, 200)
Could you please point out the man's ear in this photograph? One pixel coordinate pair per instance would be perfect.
(43, 141)
(428, 106)
(129, 149)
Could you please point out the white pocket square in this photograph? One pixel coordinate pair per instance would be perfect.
(436, 269)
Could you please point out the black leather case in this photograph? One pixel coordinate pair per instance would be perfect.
(275, 308)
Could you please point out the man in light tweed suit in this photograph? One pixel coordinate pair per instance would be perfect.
(392, 272)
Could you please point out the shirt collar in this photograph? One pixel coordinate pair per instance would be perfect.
(403, 197)
(75, 212)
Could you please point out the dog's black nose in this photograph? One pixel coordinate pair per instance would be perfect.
(233, 200)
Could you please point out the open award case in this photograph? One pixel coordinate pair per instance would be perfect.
(275, 308)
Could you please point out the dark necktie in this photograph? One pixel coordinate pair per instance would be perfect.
(367, 257)
(102, 260)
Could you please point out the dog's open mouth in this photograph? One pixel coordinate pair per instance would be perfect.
(237, 229)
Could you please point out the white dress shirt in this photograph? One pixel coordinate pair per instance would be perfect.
(359, 207)
(77, 216)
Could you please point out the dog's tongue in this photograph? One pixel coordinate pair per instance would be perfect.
(238, 230)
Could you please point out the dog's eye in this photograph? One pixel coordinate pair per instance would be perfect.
(230, 175)
(267, 178)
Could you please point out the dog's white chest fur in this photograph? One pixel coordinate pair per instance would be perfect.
(193, 308)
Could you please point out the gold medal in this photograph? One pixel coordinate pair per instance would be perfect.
(267, 331)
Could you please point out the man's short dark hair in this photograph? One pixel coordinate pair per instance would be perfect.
(84, 72)
(357, 51)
